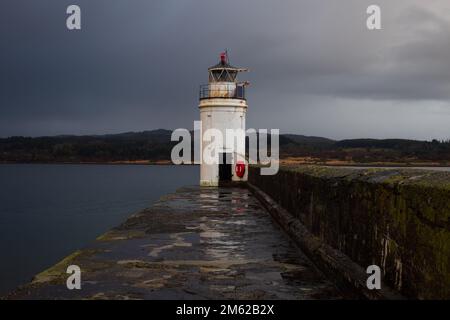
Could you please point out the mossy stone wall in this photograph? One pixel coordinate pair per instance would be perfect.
(396, 219)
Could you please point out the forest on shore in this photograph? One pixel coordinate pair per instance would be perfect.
(155, 146)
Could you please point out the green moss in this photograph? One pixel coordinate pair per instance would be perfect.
(115, 235)
(58, 270)
(396, 218)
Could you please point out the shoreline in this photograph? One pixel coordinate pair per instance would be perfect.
(114, 163)
(169, 163)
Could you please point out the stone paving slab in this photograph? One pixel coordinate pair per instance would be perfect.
(198, 243)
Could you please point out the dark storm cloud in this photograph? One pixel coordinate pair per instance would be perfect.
(315, 68)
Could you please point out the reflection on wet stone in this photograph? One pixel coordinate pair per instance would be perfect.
(198, 243)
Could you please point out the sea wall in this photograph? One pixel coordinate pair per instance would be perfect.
(397, 219)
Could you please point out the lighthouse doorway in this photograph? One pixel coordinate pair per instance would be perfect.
(225, 167)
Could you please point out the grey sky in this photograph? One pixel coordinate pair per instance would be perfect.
(315, 68)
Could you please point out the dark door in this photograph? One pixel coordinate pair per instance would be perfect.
(225, 167)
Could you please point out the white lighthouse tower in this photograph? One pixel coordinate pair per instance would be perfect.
(223, 108)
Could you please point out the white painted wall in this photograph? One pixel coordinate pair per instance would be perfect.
(222, 114)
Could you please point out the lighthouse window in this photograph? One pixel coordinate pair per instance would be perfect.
(222, 75)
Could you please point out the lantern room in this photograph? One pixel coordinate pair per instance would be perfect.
(223, 81)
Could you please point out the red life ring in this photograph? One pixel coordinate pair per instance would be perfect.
(240, 169)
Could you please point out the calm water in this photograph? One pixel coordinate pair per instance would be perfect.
(48, 211)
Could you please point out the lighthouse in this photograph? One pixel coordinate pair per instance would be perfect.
(223, 108)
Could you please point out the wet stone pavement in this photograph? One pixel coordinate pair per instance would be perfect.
(198, 243)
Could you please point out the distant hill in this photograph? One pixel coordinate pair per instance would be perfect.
(155, 145)
(128, 146)
(309, 140)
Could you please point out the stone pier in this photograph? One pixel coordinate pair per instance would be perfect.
(198, 243)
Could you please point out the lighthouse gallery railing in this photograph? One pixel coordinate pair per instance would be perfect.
(222, 90)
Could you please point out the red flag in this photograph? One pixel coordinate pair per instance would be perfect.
(223, 57)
